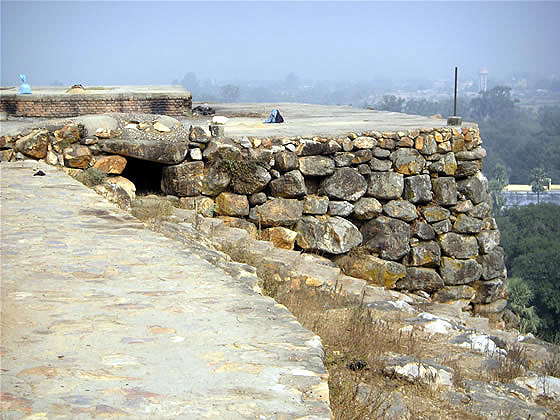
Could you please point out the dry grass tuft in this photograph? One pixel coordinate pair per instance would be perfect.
(152, 210)
(551, 366)
(509, 366)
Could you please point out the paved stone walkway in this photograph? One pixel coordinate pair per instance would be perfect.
(104, 318)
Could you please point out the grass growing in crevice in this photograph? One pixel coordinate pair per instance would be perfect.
(91, 177)
(509, 366)
(152, 210)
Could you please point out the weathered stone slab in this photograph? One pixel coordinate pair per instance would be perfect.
(417, 278)
(316, 165)
(161, 151)
(289, 185)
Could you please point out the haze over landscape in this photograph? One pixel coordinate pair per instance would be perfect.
(157, 42)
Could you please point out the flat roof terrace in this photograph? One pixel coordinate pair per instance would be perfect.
(306, 120)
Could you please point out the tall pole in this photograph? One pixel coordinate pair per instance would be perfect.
(455, 97)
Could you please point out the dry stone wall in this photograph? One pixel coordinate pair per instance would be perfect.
(405, 210)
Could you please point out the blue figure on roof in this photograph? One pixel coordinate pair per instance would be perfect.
(274, 117)
(24, 89)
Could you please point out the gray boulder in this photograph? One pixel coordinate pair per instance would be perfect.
(367, 208)
(488, 240)
(474, 188)
(316, 165)
(426, 279)
(334, 235)
(286, 161)
(401, 209)
(425, 253)
(467, 224)
(387, 236)
(407, 161)
(458, 246)
(418, 189)
(492, 264)
(385, 185)
(183, 180)
(249, 179)
(161, 151)
(445, 191)
(277, 212)
(340, 208)
(345, 184)
(289, 185)
(454, 271)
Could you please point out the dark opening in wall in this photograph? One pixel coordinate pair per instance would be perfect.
(145, 175)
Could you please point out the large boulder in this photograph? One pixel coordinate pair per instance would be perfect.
(113, 164)
(488, 240)
(474, 188)
(215, 179)
(401, 209)
(445, 191)
(418, 189)
(316, 165)
(77, 156)
(289, 185)
(345, 184)
(407, 161)
(373, 269)
(458, 246)
(286, 161)
(467, 224)
(425, 253)
(385, 185)
(492, 264)
(277, 212)
(387, 237)
(183, 180)
(454, 271)
(34, 144)
(367, 208)
(229, 204)
(435, 214)
(248, 178)
(334, 235)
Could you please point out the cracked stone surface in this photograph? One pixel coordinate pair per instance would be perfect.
(103, 317)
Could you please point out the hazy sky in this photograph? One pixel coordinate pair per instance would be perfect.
(156, 42)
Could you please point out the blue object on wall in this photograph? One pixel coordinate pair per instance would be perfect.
(24, 89)
(274, 117)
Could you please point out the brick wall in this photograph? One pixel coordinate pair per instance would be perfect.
(71, 106)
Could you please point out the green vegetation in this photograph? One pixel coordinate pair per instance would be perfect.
(91, 177)
(531, 239)
(518, 139)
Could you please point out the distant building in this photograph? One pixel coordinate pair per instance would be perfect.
(483, 80)
(517, 195)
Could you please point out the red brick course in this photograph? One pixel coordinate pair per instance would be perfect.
(71, 106)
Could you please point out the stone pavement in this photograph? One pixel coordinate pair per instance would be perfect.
(103, 317)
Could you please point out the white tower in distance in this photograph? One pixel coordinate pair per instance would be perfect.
(483, 81)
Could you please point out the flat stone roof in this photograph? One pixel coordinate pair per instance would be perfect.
(118, 91)
(246, 119)
(305, 120)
